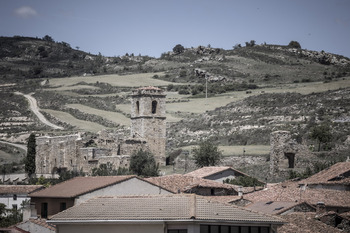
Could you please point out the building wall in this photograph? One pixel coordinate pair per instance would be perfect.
(57, 152)
(111, 228)
(9, 201)
(133, 186)
(221, 176)
(53, 204)
(144, 227)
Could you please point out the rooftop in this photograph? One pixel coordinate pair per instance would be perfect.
(159, 207)
(208, 171)
(79, 185)
(274, 207)
(19, 189)
(290, 191)
(338, 173)
(301, 222)
(182, 183)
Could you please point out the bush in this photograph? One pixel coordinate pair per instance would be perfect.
(294, 44)
(178, 49)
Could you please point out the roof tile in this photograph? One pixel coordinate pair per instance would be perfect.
(78, 186)
(160, 207)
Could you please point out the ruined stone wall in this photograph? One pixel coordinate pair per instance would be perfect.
(57, 152)
(286, 154)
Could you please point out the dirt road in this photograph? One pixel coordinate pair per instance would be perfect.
(20, 146)
(35, 109)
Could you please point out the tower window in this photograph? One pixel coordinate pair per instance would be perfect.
(154, 107)
(137, 107)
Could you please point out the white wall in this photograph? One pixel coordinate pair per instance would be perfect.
(111, 228)
(8, 200)
(133, 186)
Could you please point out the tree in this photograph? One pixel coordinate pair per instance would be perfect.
(108, 170)
(142, 163)
(321, 133)
(178, 49)
(31, 152)
(48, 38)
(294, 44)
(245, 181)
(207, 154)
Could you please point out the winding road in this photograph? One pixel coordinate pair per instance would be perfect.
(35, 109)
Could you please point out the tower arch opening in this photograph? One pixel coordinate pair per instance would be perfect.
(137, 107)
(154, 106)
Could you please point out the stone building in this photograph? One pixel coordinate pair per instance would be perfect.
(148, 132)
(148, 120)
(286, 154)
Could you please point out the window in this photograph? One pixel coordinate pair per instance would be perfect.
(177, 231)
(154, 107)
(137, 107)
(14, 197)
(63, 206)
(231, 229)
(14, 206)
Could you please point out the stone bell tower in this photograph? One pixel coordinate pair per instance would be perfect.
(148, 120)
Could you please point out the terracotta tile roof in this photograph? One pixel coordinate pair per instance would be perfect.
(13, 229)
(208, 171)
(274, 207)
(290, 191)
(79, 185)
(299, 222)
(43, 223)
(39, 221)
(160, 207)
(182, 183)
(19, 189)
(338, 173)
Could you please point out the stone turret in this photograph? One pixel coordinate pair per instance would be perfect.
(148, 120)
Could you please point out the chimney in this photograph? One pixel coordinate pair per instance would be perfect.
(240, 191)
(29, 212)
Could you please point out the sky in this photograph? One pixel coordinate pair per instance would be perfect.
(152, 27)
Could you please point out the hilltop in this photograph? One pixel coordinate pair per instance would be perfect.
(252, 91)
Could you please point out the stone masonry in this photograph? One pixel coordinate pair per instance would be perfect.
(286, 154)
(148, 132)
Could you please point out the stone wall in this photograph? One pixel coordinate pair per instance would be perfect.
(286, 154)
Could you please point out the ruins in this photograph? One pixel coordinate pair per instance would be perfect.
(286, 154)
(148, 132)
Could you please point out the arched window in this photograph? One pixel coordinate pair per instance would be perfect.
(154, 107)
(137, 107)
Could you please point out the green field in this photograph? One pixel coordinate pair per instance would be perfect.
(133, 80)
(80, 124)
(238, 150)
(68, 88)
(111, 116)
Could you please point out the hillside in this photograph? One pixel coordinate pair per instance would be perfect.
(252, 91)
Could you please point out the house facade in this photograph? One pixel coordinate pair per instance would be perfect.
(12, 196)
(64, 195)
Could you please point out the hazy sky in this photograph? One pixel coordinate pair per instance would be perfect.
(151, 27)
